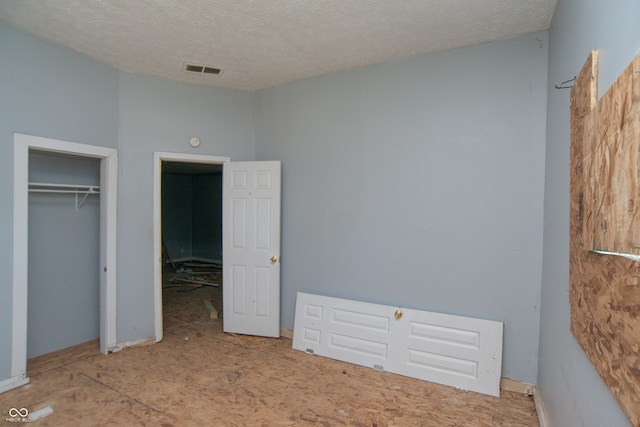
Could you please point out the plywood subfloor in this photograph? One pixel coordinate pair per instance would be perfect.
(200, 376)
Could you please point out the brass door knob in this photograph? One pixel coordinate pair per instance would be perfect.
(398, 314)
(273, 259)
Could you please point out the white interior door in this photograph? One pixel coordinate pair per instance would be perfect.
(458, 351)
(251, 248)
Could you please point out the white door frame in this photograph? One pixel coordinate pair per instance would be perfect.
(158, 158)
(108, 196)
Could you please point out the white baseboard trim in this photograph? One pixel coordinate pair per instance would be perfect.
(507, 384)
(135, 343)
(286, 333)
(540, 408)
(13, 382)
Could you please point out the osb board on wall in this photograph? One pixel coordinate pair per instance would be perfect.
(605, 289)
(615, 162)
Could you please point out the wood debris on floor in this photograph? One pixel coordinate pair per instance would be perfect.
(194, 275)
(199, 375)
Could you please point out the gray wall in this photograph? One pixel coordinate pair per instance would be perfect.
(64, 254)
(418, 183)
(207, 217)
(192, 216)
(52, 92)
(177, 212)
(160, 115)
(573, 392)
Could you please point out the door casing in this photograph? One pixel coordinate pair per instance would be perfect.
(158, 158)
(108, 196)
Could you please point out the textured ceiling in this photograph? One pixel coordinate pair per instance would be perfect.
(265, 43)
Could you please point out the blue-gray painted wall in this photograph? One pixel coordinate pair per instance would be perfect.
(573, 392)
(444, 120)
(53, 92)
(160, 115)
(418, 183)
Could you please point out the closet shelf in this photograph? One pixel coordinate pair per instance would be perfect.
(87, 190)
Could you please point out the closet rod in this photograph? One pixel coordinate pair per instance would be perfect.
(40, 187)
(42, 190)
(87, 190)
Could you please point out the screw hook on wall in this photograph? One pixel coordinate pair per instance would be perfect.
(565, 84)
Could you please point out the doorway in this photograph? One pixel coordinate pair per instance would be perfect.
(191, 223)
(251, 243)
(186, 228)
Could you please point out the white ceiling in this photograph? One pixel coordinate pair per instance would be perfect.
(265, 43)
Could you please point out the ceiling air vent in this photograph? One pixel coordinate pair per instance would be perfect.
(202, 69)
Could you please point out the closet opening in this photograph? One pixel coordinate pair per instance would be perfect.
(75, 158)
(64, 252)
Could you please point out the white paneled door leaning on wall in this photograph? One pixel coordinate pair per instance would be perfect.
(458, 351)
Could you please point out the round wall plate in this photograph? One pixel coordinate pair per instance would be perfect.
(194, 142)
